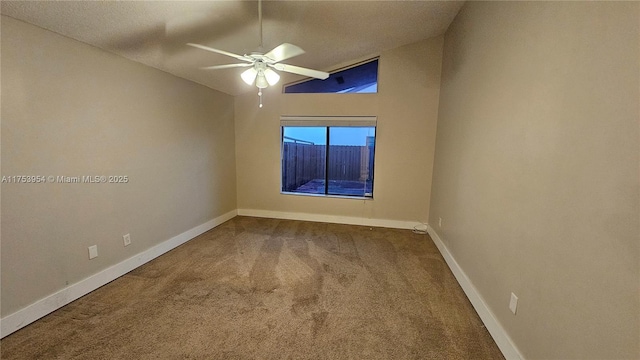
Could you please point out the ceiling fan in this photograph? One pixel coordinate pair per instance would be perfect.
(261, 65)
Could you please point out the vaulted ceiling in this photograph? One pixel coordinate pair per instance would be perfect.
(155, 32)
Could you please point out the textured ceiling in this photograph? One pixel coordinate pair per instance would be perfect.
(155, 32)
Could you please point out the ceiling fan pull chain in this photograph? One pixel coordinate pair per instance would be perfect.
(260, 97)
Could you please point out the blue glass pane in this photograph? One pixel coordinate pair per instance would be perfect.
(358, 79)
(305, 135)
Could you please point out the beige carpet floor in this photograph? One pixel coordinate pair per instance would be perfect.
(272, 289)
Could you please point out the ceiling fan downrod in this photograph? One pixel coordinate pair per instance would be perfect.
(260, 22)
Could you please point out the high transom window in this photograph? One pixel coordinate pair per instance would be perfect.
(362, 78)
(328, 155)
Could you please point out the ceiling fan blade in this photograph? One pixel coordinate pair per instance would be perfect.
(227, 66)
(222, 52)
(301, 71)
(283, 52)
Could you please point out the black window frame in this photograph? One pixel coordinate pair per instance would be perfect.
(327, 164)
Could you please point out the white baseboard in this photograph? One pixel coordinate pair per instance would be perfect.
(42, 307)
(350, 220)
(500, 336)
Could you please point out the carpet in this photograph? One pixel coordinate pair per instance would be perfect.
(256, 288)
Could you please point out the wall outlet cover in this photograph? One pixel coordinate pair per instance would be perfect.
(513, 304)
(93, 251)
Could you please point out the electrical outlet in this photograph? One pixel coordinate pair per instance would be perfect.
(127, 239)
(439, 222)
(93, 251)
(513, 304)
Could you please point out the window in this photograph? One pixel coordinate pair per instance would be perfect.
(344, 167)
(361, 79)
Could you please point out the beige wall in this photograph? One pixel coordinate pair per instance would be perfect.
(536, 176)
(406, 107)
(71, 109)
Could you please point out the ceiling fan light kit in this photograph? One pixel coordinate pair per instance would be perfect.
(261, 75)
(272, 76)
(249, 76)
(260, 65)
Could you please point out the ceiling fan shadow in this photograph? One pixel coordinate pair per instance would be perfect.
(210, 23)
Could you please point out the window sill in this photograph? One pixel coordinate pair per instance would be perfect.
(327, 196)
